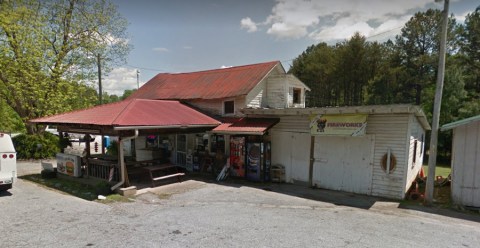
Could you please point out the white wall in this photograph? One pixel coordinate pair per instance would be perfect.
(215, 106)
(291, 147)
(390, 132)
(466, 165)
(416, 134)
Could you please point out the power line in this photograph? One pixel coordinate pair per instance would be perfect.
(375, 35)
(144, 68)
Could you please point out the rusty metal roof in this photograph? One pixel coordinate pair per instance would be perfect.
(211, 84)
(134, 112)
(246, 125)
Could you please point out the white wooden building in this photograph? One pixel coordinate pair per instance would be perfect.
(465, 161)
(353, 162)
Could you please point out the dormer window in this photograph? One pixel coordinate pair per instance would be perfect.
(228, 107)
(297, 95)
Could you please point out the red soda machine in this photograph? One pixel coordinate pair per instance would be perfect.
(237, 156)
(258, 161)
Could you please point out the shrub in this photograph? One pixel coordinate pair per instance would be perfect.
(36, 146)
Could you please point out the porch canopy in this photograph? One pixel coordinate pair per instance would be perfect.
(123, 118)
(245, 126)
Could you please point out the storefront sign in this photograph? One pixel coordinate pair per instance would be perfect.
(345, 125)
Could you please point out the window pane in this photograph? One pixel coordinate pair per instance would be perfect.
(229, 107)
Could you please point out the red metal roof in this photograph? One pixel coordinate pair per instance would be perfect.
(211, 84)
(134, 112)
(253, 126)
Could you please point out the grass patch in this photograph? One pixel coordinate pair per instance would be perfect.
(76, 188)
(116, 198)
(440, 170)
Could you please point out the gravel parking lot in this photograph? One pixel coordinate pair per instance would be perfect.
(202, 214)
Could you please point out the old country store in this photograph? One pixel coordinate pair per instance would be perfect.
(251, 122)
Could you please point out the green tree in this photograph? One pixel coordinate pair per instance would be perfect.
(315, 67)
(418, 45)
(470, 49)
(48, 53)
(127, 93)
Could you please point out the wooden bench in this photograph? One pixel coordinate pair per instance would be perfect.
(165, 169)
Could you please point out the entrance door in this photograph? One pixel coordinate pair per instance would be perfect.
(181, 149)
(344, 163)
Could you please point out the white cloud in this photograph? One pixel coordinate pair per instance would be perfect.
(248, 24)
(333, 20)
(161, 49)
(461, 18)
(120, 79)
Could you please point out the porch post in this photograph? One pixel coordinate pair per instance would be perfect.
(312, 160)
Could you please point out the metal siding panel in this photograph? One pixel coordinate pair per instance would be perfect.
(469, 166)
(458, 145)
(476, 196)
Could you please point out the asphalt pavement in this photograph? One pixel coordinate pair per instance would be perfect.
(200, 213)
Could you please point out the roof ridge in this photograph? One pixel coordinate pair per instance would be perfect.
(221, 69)
(124, 108)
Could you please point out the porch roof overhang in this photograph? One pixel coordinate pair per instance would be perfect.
(246, 126)
(122, 118)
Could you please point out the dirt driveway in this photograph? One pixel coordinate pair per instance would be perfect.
(198, 213)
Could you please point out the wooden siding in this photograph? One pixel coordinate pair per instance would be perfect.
(215, 106)
(390, 132)
(466, 165)
(276, 92)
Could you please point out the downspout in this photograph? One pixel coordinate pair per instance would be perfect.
(122, 162)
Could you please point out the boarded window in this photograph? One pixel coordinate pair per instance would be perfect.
(228, 107)
(297, 94)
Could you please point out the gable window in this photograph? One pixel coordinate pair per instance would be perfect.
(228, 107)
(297, 94)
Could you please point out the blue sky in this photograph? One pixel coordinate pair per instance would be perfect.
(193, 35)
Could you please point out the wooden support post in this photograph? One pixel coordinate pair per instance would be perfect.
(312, 160)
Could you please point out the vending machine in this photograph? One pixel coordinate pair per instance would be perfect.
(258, 161)
(237, 156)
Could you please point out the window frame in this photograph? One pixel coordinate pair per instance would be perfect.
(225, 109)
(297, 92)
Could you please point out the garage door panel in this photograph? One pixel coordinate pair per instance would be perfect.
(344, 163)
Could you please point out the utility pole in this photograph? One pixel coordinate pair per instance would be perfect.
(432, 156)
(138, 79)
(100, 93)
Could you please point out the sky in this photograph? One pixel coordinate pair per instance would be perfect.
(193, 35)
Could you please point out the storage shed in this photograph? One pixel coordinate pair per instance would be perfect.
(465, 161)
(372, 150)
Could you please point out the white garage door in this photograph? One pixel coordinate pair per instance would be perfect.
(344, 163)
(292, 150)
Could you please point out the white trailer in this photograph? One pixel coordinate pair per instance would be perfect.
(8, 162)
